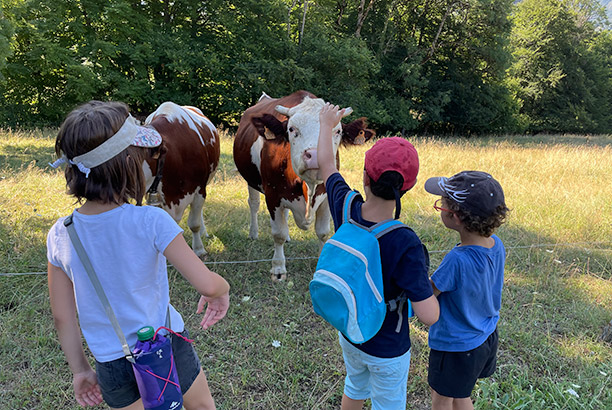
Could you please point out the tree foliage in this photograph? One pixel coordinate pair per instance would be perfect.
(456, 66)
(561, 72)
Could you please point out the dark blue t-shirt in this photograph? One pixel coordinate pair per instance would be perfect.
(403, 268)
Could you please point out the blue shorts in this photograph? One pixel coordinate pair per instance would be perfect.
(383, 380)
(118, 384)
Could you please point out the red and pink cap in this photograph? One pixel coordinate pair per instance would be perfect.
(393, 154)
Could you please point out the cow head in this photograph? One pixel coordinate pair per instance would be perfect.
(301, 130)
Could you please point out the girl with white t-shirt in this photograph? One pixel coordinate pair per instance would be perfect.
(104, 148)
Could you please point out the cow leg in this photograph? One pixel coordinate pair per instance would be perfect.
(195, 222)
(254, 200)
(322, 223)
(287, 219)
(280, 233)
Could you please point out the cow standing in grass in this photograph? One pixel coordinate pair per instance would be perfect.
(179, 170)
(274, 149)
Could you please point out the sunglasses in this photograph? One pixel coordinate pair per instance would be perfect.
(438, 208)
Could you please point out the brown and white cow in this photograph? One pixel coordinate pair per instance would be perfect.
(185, 163)
(275, 140)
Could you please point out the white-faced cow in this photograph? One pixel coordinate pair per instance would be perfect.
(179, 170)
(275, 140)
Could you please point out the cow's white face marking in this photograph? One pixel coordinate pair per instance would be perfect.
(174, 112)
(303, 130)
(147, 174)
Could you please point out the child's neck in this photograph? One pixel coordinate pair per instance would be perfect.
(471, 238)
(377, 209)
(96, 207)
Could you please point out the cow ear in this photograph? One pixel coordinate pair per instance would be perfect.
(270, 127)
(356, 133)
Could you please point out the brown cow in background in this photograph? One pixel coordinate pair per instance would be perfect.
(275, 140)
(183, 165)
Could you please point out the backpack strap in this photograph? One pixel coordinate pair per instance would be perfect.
(346, 207)
(384, 227)
(397, 304)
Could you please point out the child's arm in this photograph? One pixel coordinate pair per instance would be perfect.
(427, 310)
(329, 117)
(436, 291)
(213, 288)
(63, 308)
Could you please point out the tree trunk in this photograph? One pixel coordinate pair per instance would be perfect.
(341, 7)
(432, 49)
(303, 22)
(381, 47)
(363, 14)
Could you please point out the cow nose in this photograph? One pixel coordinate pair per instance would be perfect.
(310, 159)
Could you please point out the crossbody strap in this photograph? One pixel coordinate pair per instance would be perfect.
(80, 250)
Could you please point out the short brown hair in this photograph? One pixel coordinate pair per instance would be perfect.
(116, 180)
(484, 226)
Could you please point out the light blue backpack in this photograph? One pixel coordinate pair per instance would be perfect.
(347, 287)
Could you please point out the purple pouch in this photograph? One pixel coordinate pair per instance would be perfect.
(156, 375)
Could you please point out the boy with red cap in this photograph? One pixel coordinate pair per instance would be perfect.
(468, 284)
(378, 368)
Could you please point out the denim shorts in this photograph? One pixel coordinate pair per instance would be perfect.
(118, 384)
(383, 380)
(454, 374)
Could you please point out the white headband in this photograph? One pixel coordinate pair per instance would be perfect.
(130, 133)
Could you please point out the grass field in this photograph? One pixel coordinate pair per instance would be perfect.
(557, 296)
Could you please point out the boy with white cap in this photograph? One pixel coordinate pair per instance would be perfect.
(378, 368)
(468, 284)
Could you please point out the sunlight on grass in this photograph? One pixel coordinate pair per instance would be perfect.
(556, 297)
(582, 349)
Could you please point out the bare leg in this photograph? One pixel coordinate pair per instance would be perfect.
(463, 404)
(198, 396)
(134, 406)
(439, 402)
(350, 404)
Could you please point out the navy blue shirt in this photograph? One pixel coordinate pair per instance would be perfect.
(403, 267)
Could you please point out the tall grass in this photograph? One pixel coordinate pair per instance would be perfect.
(557, 295)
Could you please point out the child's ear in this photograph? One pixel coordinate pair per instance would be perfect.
(366, 178)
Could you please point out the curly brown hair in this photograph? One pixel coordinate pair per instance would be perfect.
(117, 180)
(484, 226)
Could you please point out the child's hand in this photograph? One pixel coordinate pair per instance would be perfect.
(86, 388)
(330, 116)
(215, 311)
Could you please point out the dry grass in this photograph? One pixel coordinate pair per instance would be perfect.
(556, 298)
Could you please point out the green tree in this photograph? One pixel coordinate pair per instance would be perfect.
(559, 77)
(6, 34)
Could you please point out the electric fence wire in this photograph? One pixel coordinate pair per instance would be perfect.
(541, 245)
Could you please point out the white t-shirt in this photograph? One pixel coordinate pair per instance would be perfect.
(125, 246)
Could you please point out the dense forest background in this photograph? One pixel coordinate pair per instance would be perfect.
(411, 66)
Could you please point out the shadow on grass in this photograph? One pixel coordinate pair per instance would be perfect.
(556, 300)
(15, 157)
